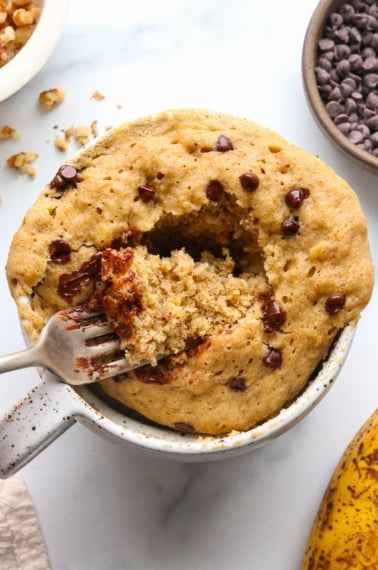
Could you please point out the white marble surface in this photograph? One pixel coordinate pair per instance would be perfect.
(100, 507)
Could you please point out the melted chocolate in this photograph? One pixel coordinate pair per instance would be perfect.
(60, 251)
(70, 284)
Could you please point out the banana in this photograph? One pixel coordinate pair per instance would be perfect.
(344, 535)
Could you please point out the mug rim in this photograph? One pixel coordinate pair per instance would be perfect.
(106, 420)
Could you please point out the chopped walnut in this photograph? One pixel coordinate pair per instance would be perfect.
(81, 134)
(97, 96)
(18, 19)
(7, 132)
(21, 162)
(51, 98)
(22, 17)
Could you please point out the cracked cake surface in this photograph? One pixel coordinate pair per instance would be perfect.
(226, 257)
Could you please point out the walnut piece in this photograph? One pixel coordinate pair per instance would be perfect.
(21, 162)
(7, 132)
(18, 19)
(51, 98)
(97, 96)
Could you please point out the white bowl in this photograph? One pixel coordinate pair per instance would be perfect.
(53, 406)
(31, 58)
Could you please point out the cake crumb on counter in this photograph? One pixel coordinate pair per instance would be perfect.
(81, 134)
(61, 143)
(21, 162)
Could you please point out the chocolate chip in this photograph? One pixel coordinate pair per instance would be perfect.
(146, 192)
(326, 44)
(273, 359)
(223, 144)
(274, 315)
(65, 177)
(184, 427)
(335, 303)
(290, 226)
(151, 375)
(249, 181)
(346, 70)
(214, 190)
(60, 251)
(121, 239)
(296, 196)
(237, 383)
(68, 172)
(118, 378)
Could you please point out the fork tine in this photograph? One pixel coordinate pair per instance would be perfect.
(92, 330)
(115, 368)
(104, 348)
(91, 323)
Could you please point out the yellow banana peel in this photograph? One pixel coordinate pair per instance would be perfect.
(344, 535)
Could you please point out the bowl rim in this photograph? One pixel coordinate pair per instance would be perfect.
(34, 54)
(309, 55)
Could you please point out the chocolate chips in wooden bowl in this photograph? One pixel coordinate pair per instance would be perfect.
(340, 74)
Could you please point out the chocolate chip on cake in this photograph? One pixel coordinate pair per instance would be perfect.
(214, 190)
(223, 144)
(66, 177)
(146, 192)
(151, 375)
(184, 427)
(334, 303)
(273, 359)
(295, 197)
(237, 384)
(274, 315)
(291, 226)
(60, 251)
(249, 181)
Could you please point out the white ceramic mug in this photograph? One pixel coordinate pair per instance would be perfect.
(52, 407)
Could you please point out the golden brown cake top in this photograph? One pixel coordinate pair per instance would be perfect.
(203, 183)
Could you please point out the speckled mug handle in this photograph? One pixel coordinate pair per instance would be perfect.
(34, 422)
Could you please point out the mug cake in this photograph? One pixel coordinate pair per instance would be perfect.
(227, 259)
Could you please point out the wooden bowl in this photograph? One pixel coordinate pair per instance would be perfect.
(309, 58)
